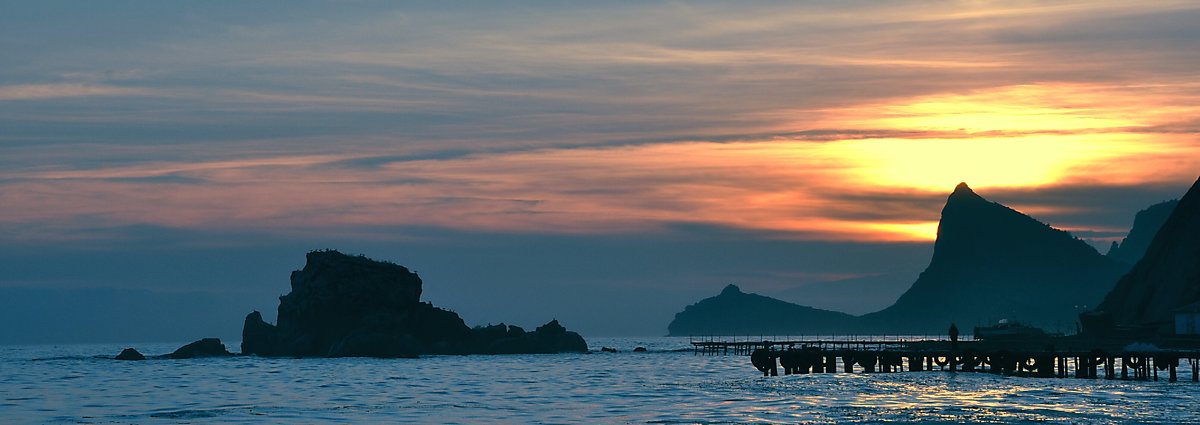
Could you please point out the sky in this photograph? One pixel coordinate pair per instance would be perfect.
(605, 164)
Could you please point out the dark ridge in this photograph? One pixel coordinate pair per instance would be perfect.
(1167, 278)
(1146, 224)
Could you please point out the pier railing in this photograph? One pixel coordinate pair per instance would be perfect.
(1039, 358)
(744, 346)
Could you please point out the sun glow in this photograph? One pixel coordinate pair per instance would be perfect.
(936, 164)
(1017, 109)
(1017, 136)
(915, 231)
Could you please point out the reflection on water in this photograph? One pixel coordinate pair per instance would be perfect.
(662, 386)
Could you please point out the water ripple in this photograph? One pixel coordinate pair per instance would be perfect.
(663, 386)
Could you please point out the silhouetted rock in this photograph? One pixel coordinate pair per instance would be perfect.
(1146, 224)
(639, 349)
(347, 306)
(736, 313)
(1166, 278)
(607, 350)
(557, 339)
(207, 347)
(130, 354)
(258, 336)
(549, 338)
(990, 263)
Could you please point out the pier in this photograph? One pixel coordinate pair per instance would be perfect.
(1034, 358)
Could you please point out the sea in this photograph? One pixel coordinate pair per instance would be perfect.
(667, 384)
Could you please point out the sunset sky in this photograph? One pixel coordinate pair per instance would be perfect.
(605, 164)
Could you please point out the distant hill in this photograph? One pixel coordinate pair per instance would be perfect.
(734, 312)
(1168, 275)
(991, 262)
(1145, 225)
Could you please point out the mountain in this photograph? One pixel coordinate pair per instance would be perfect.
(991, 262)
(1168, 276)
(734, 312)
(1145, 225)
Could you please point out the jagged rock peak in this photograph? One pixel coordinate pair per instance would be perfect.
(731, 289)
(963, 193)
(971, 219)
(984, 256)
(963, 190)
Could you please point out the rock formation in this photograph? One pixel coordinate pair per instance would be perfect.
(1146, 224)
(207, 347)
(352, 306)
(1168, 275)
(990, 263)
(549, 338)
(734, 312)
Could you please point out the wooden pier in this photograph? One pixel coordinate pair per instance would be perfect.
(745, 348)
(1019, 358)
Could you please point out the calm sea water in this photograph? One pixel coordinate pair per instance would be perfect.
(67, 384)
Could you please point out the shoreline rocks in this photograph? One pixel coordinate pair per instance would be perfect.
(206, 347)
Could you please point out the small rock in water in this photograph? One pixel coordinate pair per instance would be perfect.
(639, 350)
(608, 350)
(130, 354)
(207, 347)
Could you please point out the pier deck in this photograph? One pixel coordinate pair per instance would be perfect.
(1049, 358)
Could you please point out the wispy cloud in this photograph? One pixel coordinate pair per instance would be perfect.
(59, 90)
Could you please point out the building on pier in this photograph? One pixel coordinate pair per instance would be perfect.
(1187, 319)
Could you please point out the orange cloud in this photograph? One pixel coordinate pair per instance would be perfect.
(787, 187)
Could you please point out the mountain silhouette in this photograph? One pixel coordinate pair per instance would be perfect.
(734, 312)
(1168, 275)
(1146, 224)
(991, 262)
